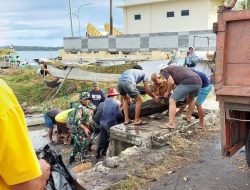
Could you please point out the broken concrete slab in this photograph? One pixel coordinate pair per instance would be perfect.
(34, 119)
(149, 136)
(105, 174)
(79, 74)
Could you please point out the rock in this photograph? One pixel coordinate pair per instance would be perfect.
(133, 151)
(113, 162)
(153, 158)
(185, 178)
(170, 172)
(99, 167)
(54, 83)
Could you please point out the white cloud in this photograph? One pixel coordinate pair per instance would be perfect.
(47, 21)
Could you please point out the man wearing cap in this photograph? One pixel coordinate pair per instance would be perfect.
(127, 89)
(191, 59)
(81, 126)
(97, 95)
(111, 115)
(187, 83)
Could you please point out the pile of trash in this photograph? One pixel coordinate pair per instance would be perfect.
(61, 178)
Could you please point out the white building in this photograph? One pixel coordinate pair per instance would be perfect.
(153, 16)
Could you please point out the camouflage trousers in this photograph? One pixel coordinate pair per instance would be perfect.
(81, 143)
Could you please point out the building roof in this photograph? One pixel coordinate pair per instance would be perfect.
(138, 2)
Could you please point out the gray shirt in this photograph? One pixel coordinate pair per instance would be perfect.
(181, 75)
(134, 76)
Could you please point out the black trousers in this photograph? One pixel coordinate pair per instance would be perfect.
(103, 141)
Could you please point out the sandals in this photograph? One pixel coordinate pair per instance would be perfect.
(128, 122)
(167, 126)
(141, 123)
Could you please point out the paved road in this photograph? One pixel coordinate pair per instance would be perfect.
(209, 172)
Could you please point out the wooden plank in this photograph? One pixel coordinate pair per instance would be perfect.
(237, 91)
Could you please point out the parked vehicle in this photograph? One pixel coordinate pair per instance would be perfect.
(232, 80)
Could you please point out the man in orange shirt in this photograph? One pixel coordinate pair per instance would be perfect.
(19, 167)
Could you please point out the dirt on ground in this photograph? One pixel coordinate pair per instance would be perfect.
(205, 168)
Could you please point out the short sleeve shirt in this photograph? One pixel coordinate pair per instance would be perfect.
(97, 96)
(63, 116)
(18, 161)
(204, 78)
(53, 113)
(134, 76)
(181, 75)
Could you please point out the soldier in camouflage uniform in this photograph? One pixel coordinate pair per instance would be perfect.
(80, 122)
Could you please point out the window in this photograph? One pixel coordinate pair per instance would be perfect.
(185, 13)
(137, 17)
(170, 14)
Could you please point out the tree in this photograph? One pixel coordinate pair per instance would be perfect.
(243, 5)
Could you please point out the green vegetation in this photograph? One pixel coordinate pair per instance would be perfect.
(31, 89)
(243, 5)
(132, 183)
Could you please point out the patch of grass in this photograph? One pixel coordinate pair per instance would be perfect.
(31, 89)
(133, 183)
(62, 103)
(27, 86)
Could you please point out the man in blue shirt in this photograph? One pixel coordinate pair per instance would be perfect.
(203, 92)
(111, 115)
(127, 89)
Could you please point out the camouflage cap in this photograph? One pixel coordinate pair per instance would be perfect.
(85, 96)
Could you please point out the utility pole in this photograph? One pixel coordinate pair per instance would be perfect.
(71, 24)
(111, 19)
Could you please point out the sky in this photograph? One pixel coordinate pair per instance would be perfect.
(46, 22)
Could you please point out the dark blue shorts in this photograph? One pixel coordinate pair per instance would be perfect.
(49, 123)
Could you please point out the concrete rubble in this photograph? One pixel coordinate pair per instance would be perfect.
(137, 152)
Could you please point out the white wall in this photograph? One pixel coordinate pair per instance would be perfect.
(213, 9)
(137, 26)
(202, 13)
